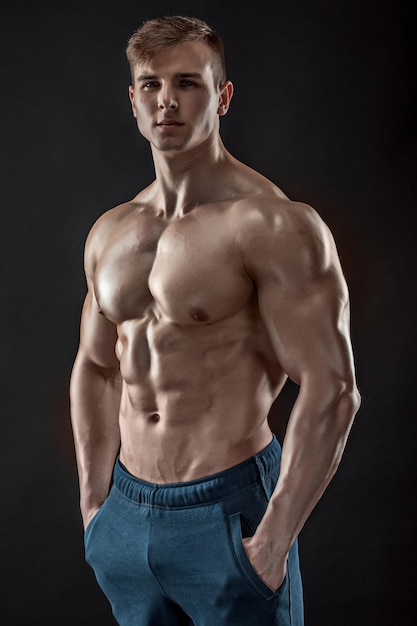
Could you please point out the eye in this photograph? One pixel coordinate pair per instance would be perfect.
(184, 82)
(152, 84)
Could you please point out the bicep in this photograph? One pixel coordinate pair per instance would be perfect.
(302, 294)
(308, 325)
(98, 336)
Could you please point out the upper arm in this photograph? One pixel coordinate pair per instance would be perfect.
(303, 298)
(98, 336)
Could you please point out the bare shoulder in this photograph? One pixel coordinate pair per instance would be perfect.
(273, 214)
(278, 235)
(102, 231)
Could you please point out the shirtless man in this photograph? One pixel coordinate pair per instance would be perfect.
(205, 292)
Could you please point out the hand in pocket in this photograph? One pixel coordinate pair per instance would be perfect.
(270, 569)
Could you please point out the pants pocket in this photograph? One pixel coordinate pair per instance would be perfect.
(92, 523)
(242, 559)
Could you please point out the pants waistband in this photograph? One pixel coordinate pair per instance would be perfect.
(202, 490)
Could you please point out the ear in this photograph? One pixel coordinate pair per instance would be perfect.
(225, 95)
(132, 100)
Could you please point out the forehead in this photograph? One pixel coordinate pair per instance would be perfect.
(191, 57)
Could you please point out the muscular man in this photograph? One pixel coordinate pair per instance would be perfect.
(205, 292)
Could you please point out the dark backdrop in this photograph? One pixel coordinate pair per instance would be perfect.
(323, 106)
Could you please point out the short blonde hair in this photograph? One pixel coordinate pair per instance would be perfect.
(167, 32)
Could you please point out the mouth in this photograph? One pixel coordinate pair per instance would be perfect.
(169, 123)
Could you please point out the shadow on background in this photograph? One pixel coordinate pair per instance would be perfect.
(323, 106)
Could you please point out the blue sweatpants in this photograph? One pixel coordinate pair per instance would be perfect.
(172, 554)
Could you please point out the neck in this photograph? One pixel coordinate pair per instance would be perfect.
(189, 178)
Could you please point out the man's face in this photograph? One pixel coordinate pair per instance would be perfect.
(174, 97)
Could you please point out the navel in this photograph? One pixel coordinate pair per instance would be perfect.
(154, 418)
(199, 315)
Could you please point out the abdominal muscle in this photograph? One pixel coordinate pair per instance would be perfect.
(195, 399)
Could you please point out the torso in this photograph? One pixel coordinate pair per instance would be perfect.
(198, 369)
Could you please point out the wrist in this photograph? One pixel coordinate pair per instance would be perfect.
(274, 532)
(271, 540)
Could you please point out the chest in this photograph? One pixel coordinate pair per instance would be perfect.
(189, 269)
(197, 274)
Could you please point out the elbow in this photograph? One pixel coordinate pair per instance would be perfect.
(356, 400)
(353, 398)
(348, 402)
(337, 395)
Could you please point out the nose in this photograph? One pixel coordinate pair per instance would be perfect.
(167, 99)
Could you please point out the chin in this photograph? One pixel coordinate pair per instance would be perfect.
(166, 146)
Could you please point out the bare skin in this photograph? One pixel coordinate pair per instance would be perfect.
(205, 292)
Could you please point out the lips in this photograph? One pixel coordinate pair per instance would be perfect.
(169, 123)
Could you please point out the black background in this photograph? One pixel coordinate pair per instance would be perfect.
(324, 105)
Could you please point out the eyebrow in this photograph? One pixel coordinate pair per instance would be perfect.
(178, 75)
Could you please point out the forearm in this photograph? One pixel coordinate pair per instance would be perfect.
(316, 436)
(95, 399)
